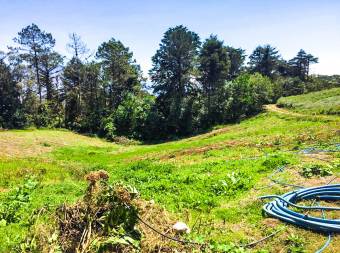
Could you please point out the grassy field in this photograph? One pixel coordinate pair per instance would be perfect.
(320, 102)
(211, 181)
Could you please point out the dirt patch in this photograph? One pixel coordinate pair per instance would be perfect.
(271, 223)
(215, 146)
(32, 143)
(276, 109)
(318, 156)
(204, 149)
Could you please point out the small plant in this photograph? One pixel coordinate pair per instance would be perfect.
(233, 182)
(274, 162)
(227, 248)
(311, 170)
(295, 244)
(11, 206)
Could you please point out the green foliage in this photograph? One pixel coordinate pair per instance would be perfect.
(227, 248)
(311, 170)
(171, 74)
(249, 94)
(9, 98)
(131, 117)
(236, 57)
(265, 60)
(295, 244)
(274, 162)
(121, 75)
(300, 64)
(214, 70)
(234, 181)
(12, 205)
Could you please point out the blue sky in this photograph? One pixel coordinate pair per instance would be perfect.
(289, 25)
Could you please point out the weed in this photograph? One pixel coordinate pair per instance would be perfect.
(295, 244)
(311, 170)
(227, 248)
(11, 206)
(273, 162)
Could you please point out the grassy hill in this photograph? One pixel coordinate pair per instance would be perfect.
(320, 102)
(211, 181)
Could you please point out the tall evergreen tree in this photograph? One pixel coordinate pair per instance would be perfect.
(121, 74)
(9, 96)
(172, 76)
(236, 57)
(72, 78)
(49, 68)
(264, 60)
(33, 44)
(214, 68)
(301, 63)
(76, 46)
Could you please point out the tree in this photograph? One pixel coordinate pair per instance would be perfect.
(72, 79)
(214, 68)
(172, 75)
(249, 93)
(33, 44)
(264, 60)
(49, 67)
(121, 74)
(236, 57)
(71, 83)
(130, 118)
(301, 64)
(9, 97)
(76, 46)
(93, 99)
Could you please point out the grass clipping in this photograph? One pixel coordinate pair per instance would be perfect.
(106, 220)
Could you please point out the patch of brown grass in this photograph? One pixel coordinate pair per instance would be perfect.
(35, 142)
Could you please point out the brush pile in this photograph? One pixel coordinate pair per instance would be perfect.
(103, 221)
(106, 219)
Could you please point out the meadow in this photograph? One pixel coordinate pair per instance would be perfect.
(211, 181)
(320, 102)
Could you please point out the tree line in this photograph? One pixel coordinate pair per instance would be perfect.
(195, 85)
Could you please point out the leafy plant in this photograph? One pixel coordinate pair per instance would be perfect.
(311, 170)
(234, 181)
(295, 244)
(10, 207)
(227, 248)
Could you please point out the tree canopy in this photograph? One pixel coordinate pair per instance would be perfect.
(194, 85)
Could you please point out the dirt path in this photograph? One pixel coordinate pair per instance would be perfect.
(274, 108)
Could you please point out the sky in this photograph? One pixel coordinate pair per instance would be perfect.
(289, 25)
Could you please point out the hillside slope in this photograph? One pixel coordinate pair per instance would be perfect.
(211, 181)
(320, 102)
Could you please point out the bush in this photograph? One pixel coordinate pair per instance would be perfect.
(249, 94)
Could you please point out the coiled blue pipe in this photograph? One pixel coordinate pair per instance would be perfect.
(278, 208)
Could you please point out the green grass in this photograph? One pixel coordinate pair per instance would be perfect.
(206, 178)
(320, 102)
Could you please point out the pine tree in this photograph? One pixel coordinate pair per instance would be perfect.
(214, 69)
(264, 60)
(9, 97)
(172, 75)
